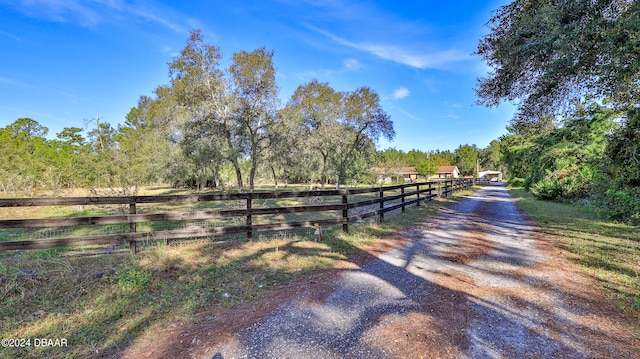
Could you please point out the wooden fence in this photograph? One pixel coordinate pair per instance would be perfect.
(412, 193)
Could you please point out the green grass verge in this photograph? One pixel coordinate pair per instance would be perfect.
(606, 250)
(101, 303)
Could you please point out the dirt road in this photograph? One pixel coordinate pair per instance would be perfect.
(475, 282)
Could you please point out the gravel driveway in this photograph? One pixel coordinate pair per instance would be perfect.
(473, 282)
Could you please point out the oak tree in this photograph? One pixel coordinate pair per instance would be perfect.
(549, 54)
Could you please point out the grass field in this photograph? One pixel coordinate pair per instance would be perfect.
(101, 303)
(606, 250)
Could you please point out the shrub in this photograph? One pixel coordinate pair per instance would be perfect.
(516, 182)
(567, 183)
(623, 204)
(548, 188)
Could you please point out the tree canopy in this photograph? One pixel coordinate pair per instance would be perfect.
(550, 54)
(232, 117)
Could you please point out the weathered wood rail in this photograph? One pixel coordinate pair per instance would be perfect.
(418, 193)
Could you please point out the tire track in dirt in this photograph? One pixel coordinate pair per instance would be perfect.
(471, 247)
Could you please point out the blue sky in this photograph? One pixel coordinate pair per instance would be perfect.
(63, 62)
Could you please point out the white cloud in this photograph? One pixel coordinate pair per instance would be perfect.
(9, 35)
(348, 65)
(421, 61)
(4, 80)
(352, 64)
(154, 17)
(451, 104)
(432, 60)
(170, 51)
(409, 115)
(452, 116)
(402, 92)
(91, 14)
(61, 11)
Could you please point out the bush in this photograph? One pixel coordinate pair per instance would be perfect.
(568, 183)
(623, 204)
(548, 188)
(516, 182)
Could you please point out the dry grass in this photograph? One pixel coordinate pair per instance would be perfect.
(99, 303)
(102, 303)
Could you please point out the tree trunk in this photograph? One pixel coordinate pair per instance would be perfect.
(199, 182)
(286, 178)
(252, 175)
(323, 178)
(254, 167)
(275, 178)
(216, 180)
(236, 166)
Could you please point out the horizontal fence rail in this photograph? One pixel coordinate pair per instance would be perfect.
(343, 210)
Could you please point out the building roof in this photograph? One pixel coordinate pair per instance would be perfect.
(447, 169)
(489, 173)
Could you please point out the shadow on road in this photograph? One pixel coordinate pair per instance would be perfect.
(471, 283)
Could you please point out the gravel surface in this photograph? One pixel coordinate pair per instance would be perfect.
(473, 264)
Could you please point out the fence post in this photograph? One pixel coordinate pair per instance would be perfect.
(430, 192)
(381, 213)
(132, 210)
(133, 245)
(345, 214)
(402, 193)
(418, 196)
(249, 232)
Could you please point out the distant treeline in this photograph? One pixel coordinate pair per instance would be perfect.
(136, 154)
(221, 128)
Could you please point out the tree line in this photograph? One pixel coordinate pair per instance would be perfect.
(120, 160)
(216, 127)
(468, 158)
(573, 69)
